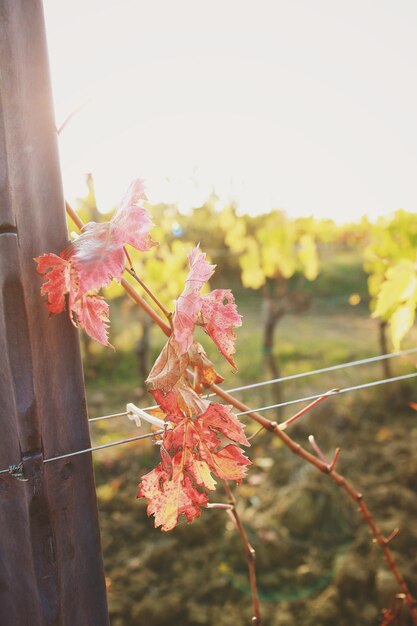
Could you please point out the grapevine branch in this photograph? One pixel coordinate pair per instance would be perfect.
(168, 314)
(131, 270)
(278, 430)
(230, 508)
(250, 554)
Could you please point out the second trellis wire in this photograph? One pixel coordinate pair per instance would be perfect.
(272, 381)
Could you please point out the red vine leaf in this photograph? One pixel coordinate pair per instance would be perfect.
(219, 417)
(58, 277)
(196, 442)
(200, 472)
(188, 305)
(181, 400)
(93, 317)
(91, 312)
(170, 497)
(166, 461)
(220, 316)
(170, 366)
(229, 463)
(196, 447)
(203, 367)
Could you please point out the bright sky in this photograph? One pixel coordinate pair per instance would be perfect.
(309, 106)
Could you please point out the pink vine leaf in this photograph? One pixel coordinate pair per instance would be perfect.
(188, 305)
(98, 253)
(92, 261)
(216, 312)
(202, 367)
(220, 316)
(170, 366)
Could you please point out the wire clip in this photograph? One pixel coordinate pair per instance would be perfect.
(136, 414)
(18, 471)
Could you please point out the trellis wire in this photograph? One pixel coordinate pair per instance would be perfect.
(272, 381)
(374, 383)
(107, 417)
(330, 393)
(95, 448)
(331, 368)
(105, 445)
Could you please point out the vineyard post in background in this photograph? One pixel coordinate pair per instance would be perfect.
(51, 563)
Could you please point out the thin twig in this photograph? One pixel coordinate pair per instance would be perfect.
(316, 448)
(129, 260)
(256, 433)
(168, 314)
(250, 555)
(307, 408)
(145, 306)
(219, 505)
(70, 116)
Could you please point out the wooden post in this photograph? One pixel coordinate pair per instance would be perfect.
(51, 570)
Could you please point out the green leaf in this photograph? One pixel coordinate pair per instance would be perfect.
(401, 321)
(400, 285)
(235, 237)
(308, 257)
(252, 274)
(253, 277)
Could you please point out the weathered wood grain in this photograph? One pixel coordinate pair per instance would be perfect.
(51, 570)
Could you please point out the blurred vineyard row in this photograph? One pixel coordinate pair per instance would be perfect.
(284, 264)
